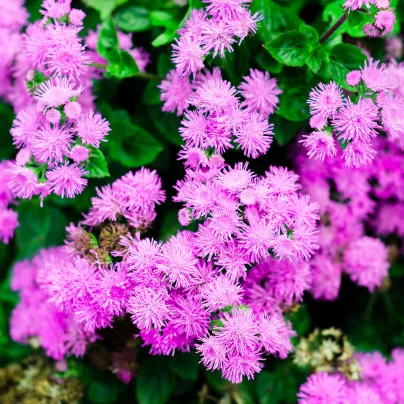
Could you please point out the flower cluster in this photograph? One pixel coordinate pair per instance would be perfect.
(381, 382)
(56, 127)
(357, 119)
(219, 119)
(8, 218)
(192, 290)
(354, 205)
(142, 58)
(214, 29)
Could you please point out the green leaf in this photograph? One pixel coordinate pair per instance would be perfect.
(268, 63)
(154, 383)
(159, 18)
(166, 124)
(100, 392)
(96, 165)
(108, 39)
(310, 32)
(285, 130)
(151, 94)
(216, 381)
(105, 7)
(290, 48)
(293, 104)
(276, 19)
(355, 18)
(7, 148)
(300, 320)
(315, 59)
(133, 19)
(169, 34)
(343, 59)
(129, 144)
(170, 225)
(185, 365)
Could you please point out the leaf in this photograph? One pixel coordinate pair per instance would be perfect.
(276, 19)
(105, 7)
(96, 165)
(293, 104)
(216, 381)
(185, 365)
(133, 19)
(159, 18)
(129, 144)
(343, 59)
(310, 32)
(315, 59)
(169, 34)
(290, 48)
(285, 130)
(100, 392)
(166, 124)
(154, 383)
(300, 320)
(7, 148)
(108, 39)
(170, 225)
(355, 18)
(268, 63)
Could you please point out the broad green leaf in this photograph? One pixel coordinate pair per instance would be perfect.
(154, 383)
(268, 63)
(343, 59)
(151, 95)
(276, 19)
(216, 381)
(184, 364)
(300, 320)
(166, 124)
(96, 165)
(133, 19)
(293, 104)
(310, 32)
(160, 18)
(105, 7)
(290, 48)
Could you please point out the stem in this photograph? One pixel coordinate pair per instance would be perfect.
(98, 65)
(331, 31)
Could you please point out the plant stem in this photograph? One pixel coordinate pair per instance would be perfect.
(98, 65)
(331, 31)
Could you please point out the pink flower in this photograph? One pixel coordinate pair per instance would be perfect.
(215, 95)
(245, 24)
(8, 223)
(354, 77)
(25, 125)
(188, 56)
(319, 144)
(67, 60)
(326, 278)
(55, 8)
(220, 293)
(365, 260)
(260, 93)
(79, 154)
(323, 388)
(358, 153)
(282, 181)
(239, 365)
(325, 99)
(376, 77)
(225, 9)
(213, 352)
(67, 180)
(51, 143)
(92, 128)
(272, 334)
(56, 92)
(234, 180)
(149, 308)
(142, 58)
(175, 92)
(217, 35)
(357, 122)
(255, 136)
(76, 17)
(385, 20)
(194, 129)
(72, 109)
(194, 24)
(23, 182)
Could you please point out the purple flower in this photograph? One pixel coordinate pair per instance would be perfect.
(325, 99)
(67, 180)
(91, 128)
(319, 144)
(260, 93)
(188, 56)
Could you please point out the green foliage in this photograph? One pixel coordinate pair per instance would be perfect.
(133, 19)
(96, 165)
(105, 7)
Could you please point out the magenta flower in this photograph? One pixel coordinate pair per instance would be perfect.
(239, 365)
(319, 144)
(220, 293)
(226, 9)
(365, 260)
(56, 92)
(67, 180)
(8, 223)
(25, 125)
(23, 182)
(92, 128)
(376, 77)
(358, 153)
(325, 99)
(217, 35)
(322, 387)
(357, 122)
(79, 154)
(213, 352)
(188, 56)
(260, 93)
(50, 144)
